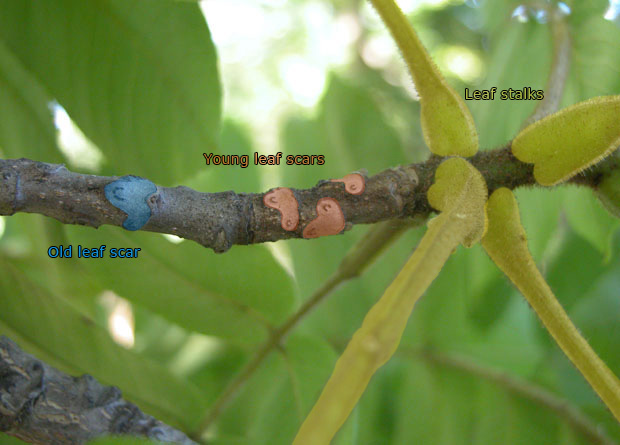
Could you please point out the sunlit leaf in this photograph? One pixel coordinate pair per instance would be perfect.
(139, 78)
(518, 57)
(26, 122)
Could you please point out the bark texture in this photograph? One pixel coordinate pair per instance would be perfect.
(41, 405)
(220, 220)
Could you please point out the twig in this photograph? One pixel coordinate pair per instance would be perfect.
(42, 405)
(220, 220)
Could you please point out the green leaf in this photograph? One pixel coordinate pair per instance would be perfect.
(489, 303)
(595, 58)
(306, 365)
(233, 296)
(583, 10)
(452, 406)
(512, 343)
(590, 220)
(8, 440)
(444, 317)
(26, 124)
(342, 312)
(494, 16)
(396, 108)
(596, 315)
(574, 280)
(235, 424)
(352, 130)
(272, 406)
(139, 78)
(27, 240)
(541, 211)
(519, 57)
(48, 327)
(377, 415)
(216, 178)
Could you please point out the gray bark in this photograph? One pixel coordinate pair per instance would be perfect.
(220, 220)
(41, 405)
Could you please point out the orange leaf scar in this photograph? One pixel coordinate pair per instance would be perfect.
(354, 183)
(283, 200)
(330, 219)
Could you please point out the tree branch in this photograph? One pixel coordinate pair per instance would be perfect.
(42, 405)
(220, 220)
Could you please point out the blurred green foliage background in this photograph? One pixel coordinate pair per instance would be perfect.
(144, 87)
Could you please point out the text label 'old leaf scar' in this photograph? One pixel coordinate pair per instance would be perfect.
(283, 200)
(330, 219)
(353, 183)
